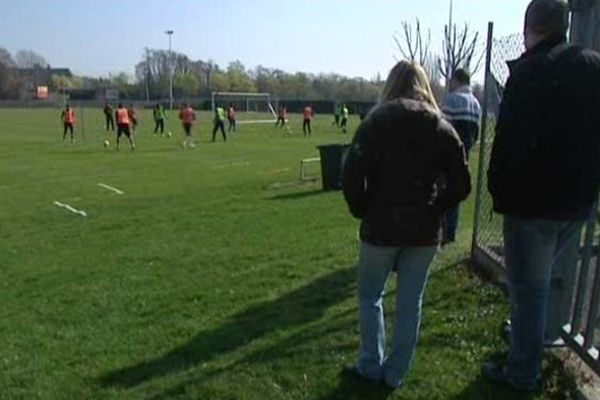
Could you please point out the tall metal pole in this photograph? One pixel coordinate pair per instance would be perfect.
(483, 135)
(147, 77)
(170, 33)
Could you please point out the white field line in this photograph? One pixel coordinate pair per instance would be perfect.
(259, 121)
(72, 209)
(117, 191)
(235, 164)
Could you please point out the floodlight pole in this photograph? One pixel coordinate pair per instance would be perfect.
(170, 33)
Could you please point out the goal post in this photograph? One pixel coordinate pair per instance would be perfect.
(252, 108)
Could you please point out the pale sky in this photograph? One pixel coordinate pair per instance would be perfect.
(348, 37)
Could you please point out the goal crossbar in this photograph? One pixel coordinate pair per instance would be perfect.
(241, 94)
(247, 96)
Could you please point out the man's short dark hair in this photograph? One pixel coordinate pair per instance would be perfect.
(462, 76)
(548, 17)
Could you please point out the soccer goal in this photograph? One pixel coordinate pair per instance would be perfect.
(251, 108)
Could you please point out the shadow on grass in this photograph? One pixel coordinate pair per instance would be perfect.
(350, 387)
(558, 385)
(304, 343)
(297, 195)
(301, 306)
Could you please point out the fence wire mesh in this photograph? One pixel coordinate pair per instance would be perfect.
(488, 235)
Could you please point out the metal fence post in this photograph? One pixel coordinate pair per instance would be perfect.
(582, 281)
(483, 136)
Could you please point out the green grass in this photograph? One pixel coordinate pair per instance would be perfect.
(217, 275)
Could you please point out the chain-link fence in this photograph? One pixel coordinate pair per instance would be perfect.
(487, 238)
(582, 329)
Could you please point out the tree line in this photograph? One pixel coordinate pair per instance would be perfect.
(192, 78)
(200, 78)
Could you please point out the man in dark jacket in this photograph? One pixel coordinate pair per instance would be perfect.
(544, 176)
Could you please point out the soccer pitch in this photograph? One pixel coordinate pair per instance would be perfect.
(215, 274)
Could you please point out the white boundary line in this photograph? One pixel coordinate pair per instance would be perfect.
(72, 209)
(258, 121)
(117, 191)
(235, 164)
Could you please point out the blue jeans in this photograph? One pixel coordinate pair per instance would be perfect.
(374, 267)
(535, 251)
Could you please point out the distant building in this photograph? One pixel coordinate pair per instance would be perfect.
(38, 76)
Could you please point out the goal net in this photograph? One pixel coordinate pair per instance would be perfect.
(251, 108)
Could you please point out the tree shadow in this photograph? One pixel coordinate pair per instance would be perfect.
(297, 195)
(298, 307)
(482, 389)
(302, 342)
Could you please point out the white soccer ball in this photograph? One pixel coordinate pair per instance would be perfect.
(169, 134)
(106, 143)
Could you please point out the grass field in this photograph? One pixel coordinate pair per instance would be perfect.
(216, 275)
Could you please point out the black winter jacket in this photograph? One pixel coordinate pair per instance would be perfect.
(391, 179)
(545, 160)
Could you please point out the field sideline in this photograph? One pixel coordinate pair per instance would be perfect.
(215, 275)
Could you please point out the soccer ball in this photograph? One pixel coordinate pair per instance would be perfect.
(106, 143)
(169, 134)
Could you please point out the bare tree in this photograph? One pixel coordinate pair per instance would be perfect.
(6, 58)
(460, 50)
(29, 59)
(412, 44)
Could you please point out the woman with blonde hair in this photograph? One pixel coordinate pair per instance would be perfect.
(400, 154)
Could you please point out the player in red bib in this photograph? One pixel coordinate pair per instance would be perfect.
(308, 116)
(133, 117)
(68, 119)
(231, 118)
(282, 116)
(123, 125)
(187, 117)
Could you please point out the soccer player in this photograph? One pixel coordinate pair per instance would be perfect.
(219, 123)
(231, 118)
(344, 115)
(122, 115)
(132, 117)
(308, 115)
(187, 117)
(68, 119)
(282, 116)
(108, 115)
(336, 116)
(159, 119)
(461, 108)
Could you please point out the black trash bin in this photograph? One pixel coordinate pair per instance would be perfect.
(332, 162)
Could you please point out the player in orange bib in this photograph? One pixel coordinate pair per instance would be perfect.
(187, 117)
(68, 119)
(123, 125)
(308, 116)
(231, 118)
(133, 117)
(282, 116)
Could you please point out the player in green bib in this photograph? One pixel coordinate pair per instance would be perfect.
(159, 119)
(336, 115)
(344, 115)
(219, 121)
